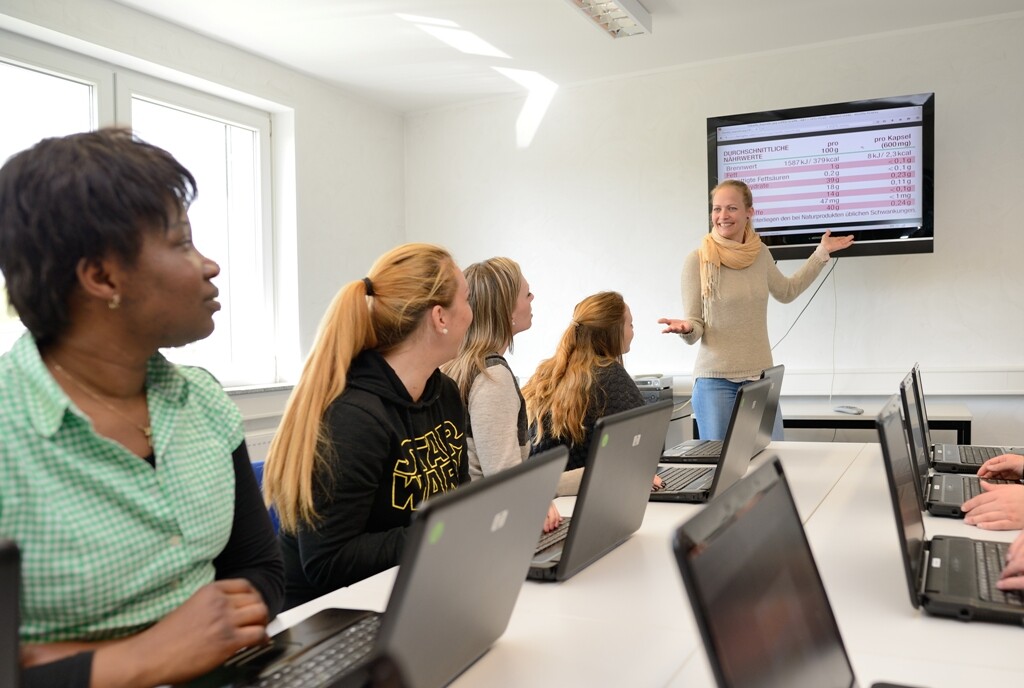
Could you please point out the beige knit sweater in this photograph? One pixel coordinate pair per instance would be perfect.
(735, 345)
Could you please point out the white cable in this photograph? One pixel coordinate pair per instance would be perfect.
(835, 328)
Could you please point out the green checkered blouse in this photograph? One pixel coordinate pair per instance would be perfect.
(110, 544)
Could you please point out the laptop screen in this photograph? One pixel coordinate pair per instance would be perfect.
(774, 375)
(921, 405)
(756, 591)
(903, 489)
(912, 420)
(616, 483)
(9, 617)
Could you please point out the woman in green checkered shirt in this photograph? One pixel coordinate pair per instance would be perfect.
(147, 555)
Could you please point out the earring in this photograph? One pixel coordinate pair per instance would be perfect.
(513, 322)
(444, 330)
(115, 302)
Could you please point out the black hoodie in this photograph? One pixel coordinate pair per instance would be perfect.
(390, 453)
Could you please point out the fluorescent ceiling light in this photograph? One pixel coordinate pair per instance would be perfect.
(619, 18)
(465, 41)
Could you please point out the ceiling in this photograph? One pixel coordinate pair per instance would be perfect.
(366, 48)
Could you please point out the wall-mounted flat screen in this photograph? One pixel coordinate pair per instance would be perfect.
(863, 167)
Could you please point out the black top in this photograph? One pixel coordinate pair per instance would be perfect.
(613, 391)
(251, 553)
(390, 453)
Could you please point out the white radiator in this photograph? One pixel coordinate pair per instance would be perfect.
(258, 444)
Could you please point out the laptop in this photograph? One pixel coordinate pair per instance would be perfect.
(10, 616)
(709, 451)
(953, 458)
(756, 592)
(942, 494)
(465, 557)
(700, 483)
(946, 576)
(612, 498)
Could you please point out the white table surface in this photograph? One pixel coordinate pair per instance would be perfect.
(625, 620)
(815, 409)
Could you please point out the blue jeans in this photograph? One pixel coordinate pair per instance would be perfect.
(713, 399)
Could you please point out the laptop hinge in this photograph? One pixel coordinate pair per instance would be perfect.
(923, 578)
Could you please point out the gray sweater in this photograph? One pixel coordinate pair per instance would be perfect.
(497, 437)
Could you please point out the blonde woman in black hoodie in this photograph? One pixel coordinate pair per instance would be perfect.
(373, 427)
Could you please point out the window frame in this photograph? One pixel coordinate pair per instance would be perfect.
(113, 87)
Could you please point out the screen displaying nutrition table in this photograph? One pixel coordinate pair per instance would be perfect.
(850, 167)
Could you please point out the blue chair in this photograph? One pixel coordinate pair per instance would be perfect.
(257, 469)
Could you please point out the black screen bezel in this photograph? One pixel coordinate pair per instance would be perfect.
(866, 242)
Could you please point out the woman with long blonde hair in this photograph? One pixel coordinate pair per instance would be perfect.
(583, 381)
(497, 436)
(372, 427)
(726, 283)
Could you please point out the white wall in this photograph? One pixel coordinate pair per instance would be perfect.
(612, 194)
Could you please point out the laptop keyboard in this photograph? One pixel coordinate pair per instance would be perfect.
(711, 448)
(978, 455)
(556, 535)
(325, 663)
(991, 557)
(676, 478)
(972, 486)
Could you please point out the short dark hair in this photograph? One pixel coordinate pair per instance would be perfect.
(79, 196)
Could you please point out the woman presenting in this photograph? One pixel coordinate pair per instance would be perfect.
(725, 284)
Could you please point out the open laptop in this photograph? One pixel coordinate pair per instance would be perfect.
(946, 576)
(700, 483)
(612, 499)
(756, 592)
(709, 451)
(942, 494)
(10, 617)
(465, 557)
(953, 458)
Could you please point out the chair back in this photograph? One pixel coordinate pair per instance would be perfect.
(257, 469)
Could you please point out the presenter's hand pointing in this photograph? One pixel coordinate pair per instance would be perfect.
(673, 326)
(832, 244)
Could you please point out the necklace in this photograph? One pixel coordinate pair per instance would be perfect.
(146, 430)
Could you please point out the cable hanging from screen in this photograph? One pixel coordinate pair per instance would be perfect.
(824, 279)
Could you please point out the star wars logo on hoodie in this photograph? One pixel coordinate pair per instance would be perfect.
(429, 465)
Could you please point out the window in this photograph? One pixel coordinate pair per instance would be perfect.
(48, 105)
(224, 144)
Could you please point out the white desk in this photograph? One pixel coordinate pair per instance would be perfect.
(812, 413)
(625, 620)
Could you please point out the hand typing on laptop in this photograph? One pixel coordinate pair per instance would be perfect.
(553, 519)
(1003, 467)
(999, 507)
(1012, 577)
(219, 619)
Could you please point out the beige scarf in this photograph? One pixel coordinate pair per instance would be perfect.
(714, 252)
